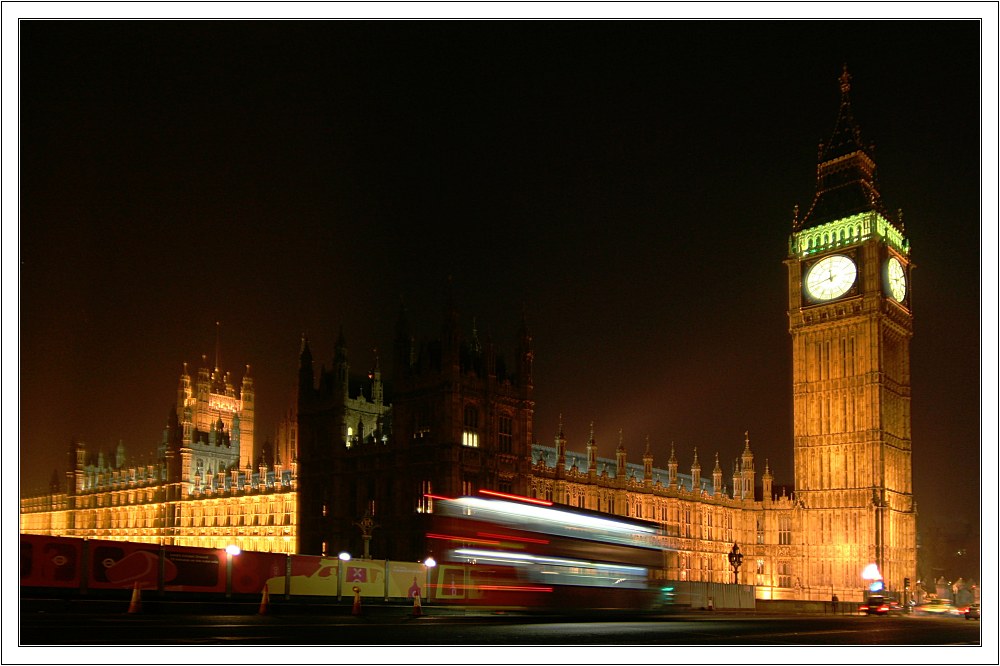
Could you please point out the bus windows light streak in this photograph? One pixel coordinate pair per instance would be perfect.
(511, 537)
(504, 556)
(554, 516)
(518, 498)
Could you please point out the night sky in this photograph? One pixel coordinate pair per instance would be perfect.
(627, 186)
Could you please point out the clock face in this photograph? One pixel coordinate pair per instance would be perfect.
(897, 279)
(831, 277)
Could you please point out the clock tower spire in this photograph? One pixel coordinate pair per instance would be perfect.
(850, 319)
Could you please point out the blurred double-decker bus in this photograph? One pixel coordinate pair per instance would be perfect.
(504, 550)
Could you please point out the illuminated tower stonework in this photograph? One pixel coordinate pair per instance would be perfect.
(216, 421)
(850, 319)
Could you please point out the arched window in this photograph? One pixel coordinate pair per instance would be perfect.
(505, 434)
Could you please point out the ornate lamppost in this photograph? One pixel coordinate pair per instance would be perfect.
(735, 561)
(367, 525)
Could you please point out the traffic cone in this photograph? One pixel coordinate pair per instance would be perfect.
(265, 600)
(135, 605)
(417, 611)
(357, 601)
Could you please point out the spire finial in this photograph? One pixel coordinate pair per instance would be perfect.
(845, 81)
(560, 425)
(621, 440)
(591, 432)
(647, 443)
(218, 326)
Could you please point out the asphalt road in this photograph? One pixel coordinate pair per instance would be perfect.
(397, 626)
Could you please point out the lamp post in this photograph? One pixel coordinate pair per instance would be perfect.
(341, 559)
(367, 525)
(735, 561)
(429, 564)
(232, 550)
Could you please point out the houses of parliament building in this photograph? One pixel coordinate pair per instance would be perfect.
(456, 416)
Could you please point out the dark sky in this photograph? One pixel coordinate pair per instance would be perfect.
(627, 185)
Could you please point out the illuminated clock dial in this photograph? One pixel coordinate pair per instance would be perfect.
(831, 277)
(897, 279)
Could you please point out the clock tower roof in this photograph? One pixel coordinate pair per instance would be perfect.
(846, 175)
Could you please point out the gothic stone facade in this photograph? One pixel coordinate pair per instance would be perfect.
(461, 421)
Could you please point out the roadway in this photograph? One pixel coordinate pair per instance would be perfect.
(109, 624)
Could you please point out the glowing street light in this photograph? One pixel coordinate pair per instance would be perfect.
(232, 550)
(871, 573)
(341, 560)
(429, 564)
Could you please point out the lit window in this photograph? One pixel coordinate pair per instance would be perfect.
(425, 504)
(470, 436)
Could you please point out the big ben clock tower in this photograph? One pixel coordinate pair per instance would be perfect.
(850, 319)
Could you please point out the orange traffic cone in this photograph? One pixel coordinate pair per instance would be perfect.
(135, 605)
(265, 600)
(417, 610)
(357, 601)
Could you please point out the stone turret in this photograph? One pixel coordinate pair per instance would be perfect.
(717, 477)
(647, 465)
(695, 473)
(747, 470)
(591, 454)
(620, 460)
(560, 448)
(672, 468)
(767, 480)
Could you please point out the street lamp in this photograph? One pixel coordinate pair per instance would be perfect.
(872, 574)
(341, 559)
(429, 563)
(735, 561)
(232, 550)
(367, 525)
